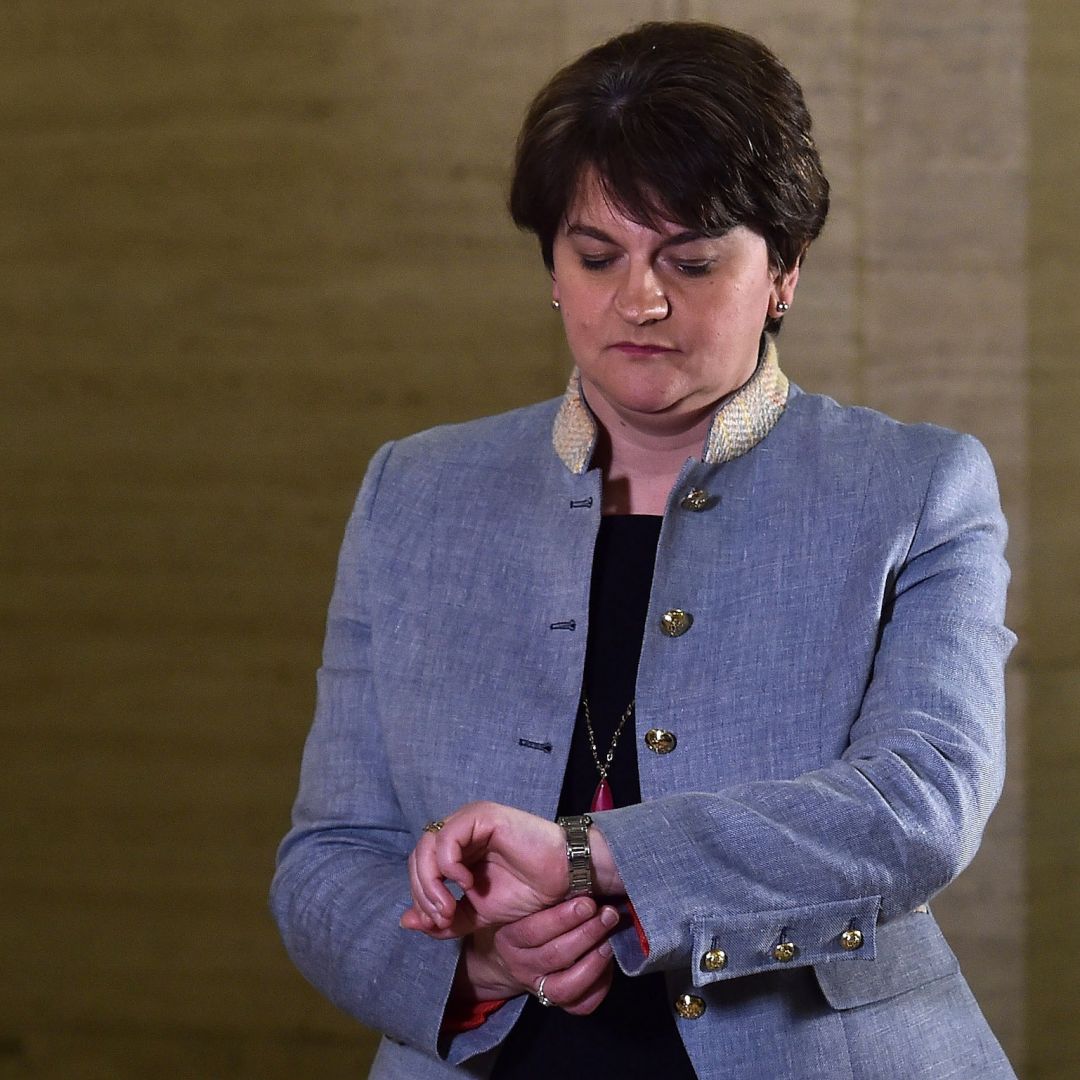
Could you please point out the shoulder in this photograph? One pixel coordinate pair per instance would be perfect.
(878, 475)
(491, 440)
(852, 427)
(416, 469)
(831, 434)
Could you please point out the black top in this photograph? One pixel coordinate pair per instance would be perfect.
(632, 1034)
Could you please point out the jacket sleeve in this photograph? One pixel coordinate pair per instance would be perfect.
(341, 883)
(875, 834)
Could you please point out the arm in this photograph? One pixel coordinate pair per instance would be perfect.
(880, 831)
(342, 882)
(871, 835)
(342, 879)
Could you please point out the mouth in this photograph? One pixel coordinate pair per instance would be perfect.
(633, 348)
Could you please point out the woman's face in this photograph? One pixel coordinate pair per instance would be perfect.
(661, 323)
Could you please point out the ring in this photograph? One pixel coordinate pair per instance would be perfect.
(434, 826)
(541, 996)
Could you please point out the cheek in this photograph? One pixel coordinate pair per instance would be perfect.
(749, 287)
(747, 298)
(579, 337)
(582, 312)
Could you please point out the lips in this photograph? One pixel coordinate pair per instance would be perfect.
(634, 348)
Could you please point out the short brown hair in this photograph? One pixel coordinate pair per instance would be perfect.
(687, 121)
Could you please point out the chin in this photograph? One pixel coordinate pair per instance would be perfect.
(658, 413)
(654, 406)
(642, 401)
(650, 399)
(645, 394)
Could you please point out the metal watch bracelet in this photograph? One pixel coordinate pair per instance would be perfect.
(578, 853)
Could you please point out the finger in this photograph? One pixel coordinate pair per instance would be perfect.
(528, 962)
(568, 989)
(563, 951)
(438, 858)
(414, 919)
(449, 849)
(441, 934)
(465, 920)
(590, 1000)
(540, 928)
(463, 923)
(427, 876)
(422, 901)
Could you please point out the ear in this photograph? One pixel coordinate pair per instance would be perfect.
(783, 292)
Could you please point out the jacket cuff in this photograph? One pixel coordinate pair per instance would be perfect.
(726, 946)
(459, 1018)
(459, 1048)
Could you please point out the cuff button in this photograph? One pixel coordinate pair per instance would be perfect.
(714, 960)
(851, 940)
(784, 953)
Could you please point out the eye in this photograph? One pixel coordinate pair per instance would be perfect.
(693, 267)
(596, 262)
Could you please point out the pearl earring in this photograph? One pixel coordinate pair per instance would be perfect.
(555, 305)
(782, 306)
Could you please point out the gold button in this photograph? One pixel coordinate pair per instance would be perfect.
(851, 939)
(714, 960)
(784, 952)
(690, 1006)
(675, 622)
(695, 499)
(660, 741)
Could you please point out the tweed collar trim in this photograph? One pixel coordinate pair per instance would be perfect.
(743, 419)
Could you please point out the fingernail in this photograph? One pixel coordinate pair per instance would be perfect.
(609, 916)
(605, 949)
(582, 908)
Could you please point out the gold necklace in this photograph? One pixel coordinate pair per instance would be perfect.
(603, 799)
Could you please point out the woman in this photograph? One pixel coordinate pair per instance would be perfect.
(757, 634)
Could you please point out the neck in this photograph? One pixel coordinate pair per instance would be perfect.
(641, 465)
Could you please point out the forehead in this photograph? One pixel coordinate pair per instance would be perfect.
(592, 203)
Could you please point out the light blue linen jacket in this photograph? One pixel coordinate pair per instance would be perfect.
(837, 704)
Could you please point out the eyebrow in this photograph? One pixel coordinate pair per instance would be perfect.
(685, 237)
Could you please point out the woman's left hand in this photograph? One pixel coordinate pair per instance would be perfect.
(566, 946)
(508, 864)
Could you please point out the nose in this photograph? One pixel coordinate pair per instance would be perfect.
(640, 298)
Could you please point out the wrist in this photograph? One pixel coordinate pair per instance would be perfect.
(481, 975)
(579, 866)
(607, 880)
(470, 1004)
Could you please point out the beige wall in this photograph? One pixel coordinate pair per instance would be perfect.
(241, 244)
(1053, 650)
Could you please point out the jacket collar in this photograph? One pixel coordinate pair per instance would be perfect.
(742, 420)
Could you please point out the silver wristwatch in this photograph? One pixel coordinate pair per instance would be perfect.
(578, 853)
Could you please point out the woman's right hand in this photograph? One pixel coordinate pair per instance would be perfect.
(508, 863)
(566, 945)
